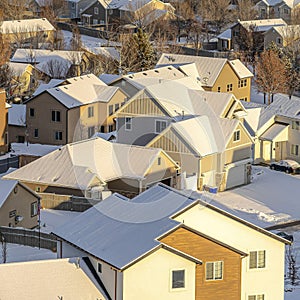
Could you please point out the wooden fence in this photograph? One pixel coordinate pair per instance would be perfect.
(9, 162)
(65, 202)
(28, 237)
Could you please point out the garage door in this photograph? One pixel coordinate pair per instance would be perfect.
(236, 176)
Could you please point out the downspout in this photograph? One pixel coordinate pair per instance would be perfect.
(67, 121)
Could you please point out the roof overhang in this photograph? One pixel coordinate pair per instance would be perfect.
(276, 133)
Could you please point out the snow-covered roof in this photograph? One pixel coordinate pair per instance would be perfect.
(18, 68)
(225, 35)
(84, 91)
(32, 149)
(49, 61)
(274, 131)
(44, 86)
(26, 25)
(199, 134)
(108, 161)
(6, 188)
(240, 69)
(109, 78)
(17, 115)
(132, 226)
(272, 3)
(292, 31)
(263, 24)
(64, 277)
(208, 68)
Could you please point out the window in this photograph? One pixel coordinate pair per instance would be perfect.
(55, 116)
(256, 297)
(296, 125)
(73, 4)
(91, 131)
(102, 128)
(178, 280)
(12, 213)
(285, 11)
(236, 135)
(128, 123)
(257, 259)
(110, 110)
(295, 150)
(229, 87)
(31, 112)
(244, 99)
(117, 106)
(96, 10)
(110, 128)
(159, 161)
(37, 189)
(34, 209)
(99, 268)
(36, 133)
(219, 89)
(58, 135)
(90, 111)
(160, 126)
(214, 270)
(242, 83)
(110, 11)
(278, 41)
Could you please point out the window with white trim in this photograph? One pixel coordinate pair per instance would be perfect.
(236, 135)
(178, 279)
(128, 123)
(96, 10)
(295, 149)
(214, 270)
(257, 259)
(91, 131)
(34, 209)
(160, 126)
(256, 297)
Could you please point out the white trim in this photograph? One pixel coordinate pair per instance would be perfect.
(125, 123)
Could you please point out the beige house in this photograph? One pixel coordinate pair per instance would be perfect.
(3, 122)
(18, 205)
(215, 74)
(73, 111)
(200, 130)
(275, 130)
(177, 243)
(88, 167)
(282, 36)
(33, 32)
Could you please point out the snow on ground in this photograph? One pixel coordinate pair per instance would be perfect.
(51, 218)
(272, 197)
(17, 253)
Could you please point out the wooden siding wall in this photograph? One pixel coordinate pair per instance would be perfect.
(229, 287)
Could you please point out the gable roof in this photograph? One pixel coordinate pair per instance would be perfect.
(240, 69)
(75, 165)
(131, 225)
(26, 25)
(208, 68)
(17, 115)
(70, 277)
(262, 24)
(6, 188)
(81, 90)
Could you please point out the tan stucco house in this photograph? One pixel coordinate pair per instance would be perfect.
(72, 111)
(18, 205)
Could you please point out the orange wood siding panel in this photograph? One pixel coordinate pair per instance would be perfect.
(229, 287)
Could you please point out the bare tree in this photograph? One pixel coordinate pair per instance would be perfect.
(271, 76)
(246, 10)
(291, 259)
(13, 9)
(75, 43)
(56, 68)
(4, 248)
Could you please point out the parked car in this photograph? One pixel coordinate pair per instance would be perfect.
(286, 236)
(287, 165)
